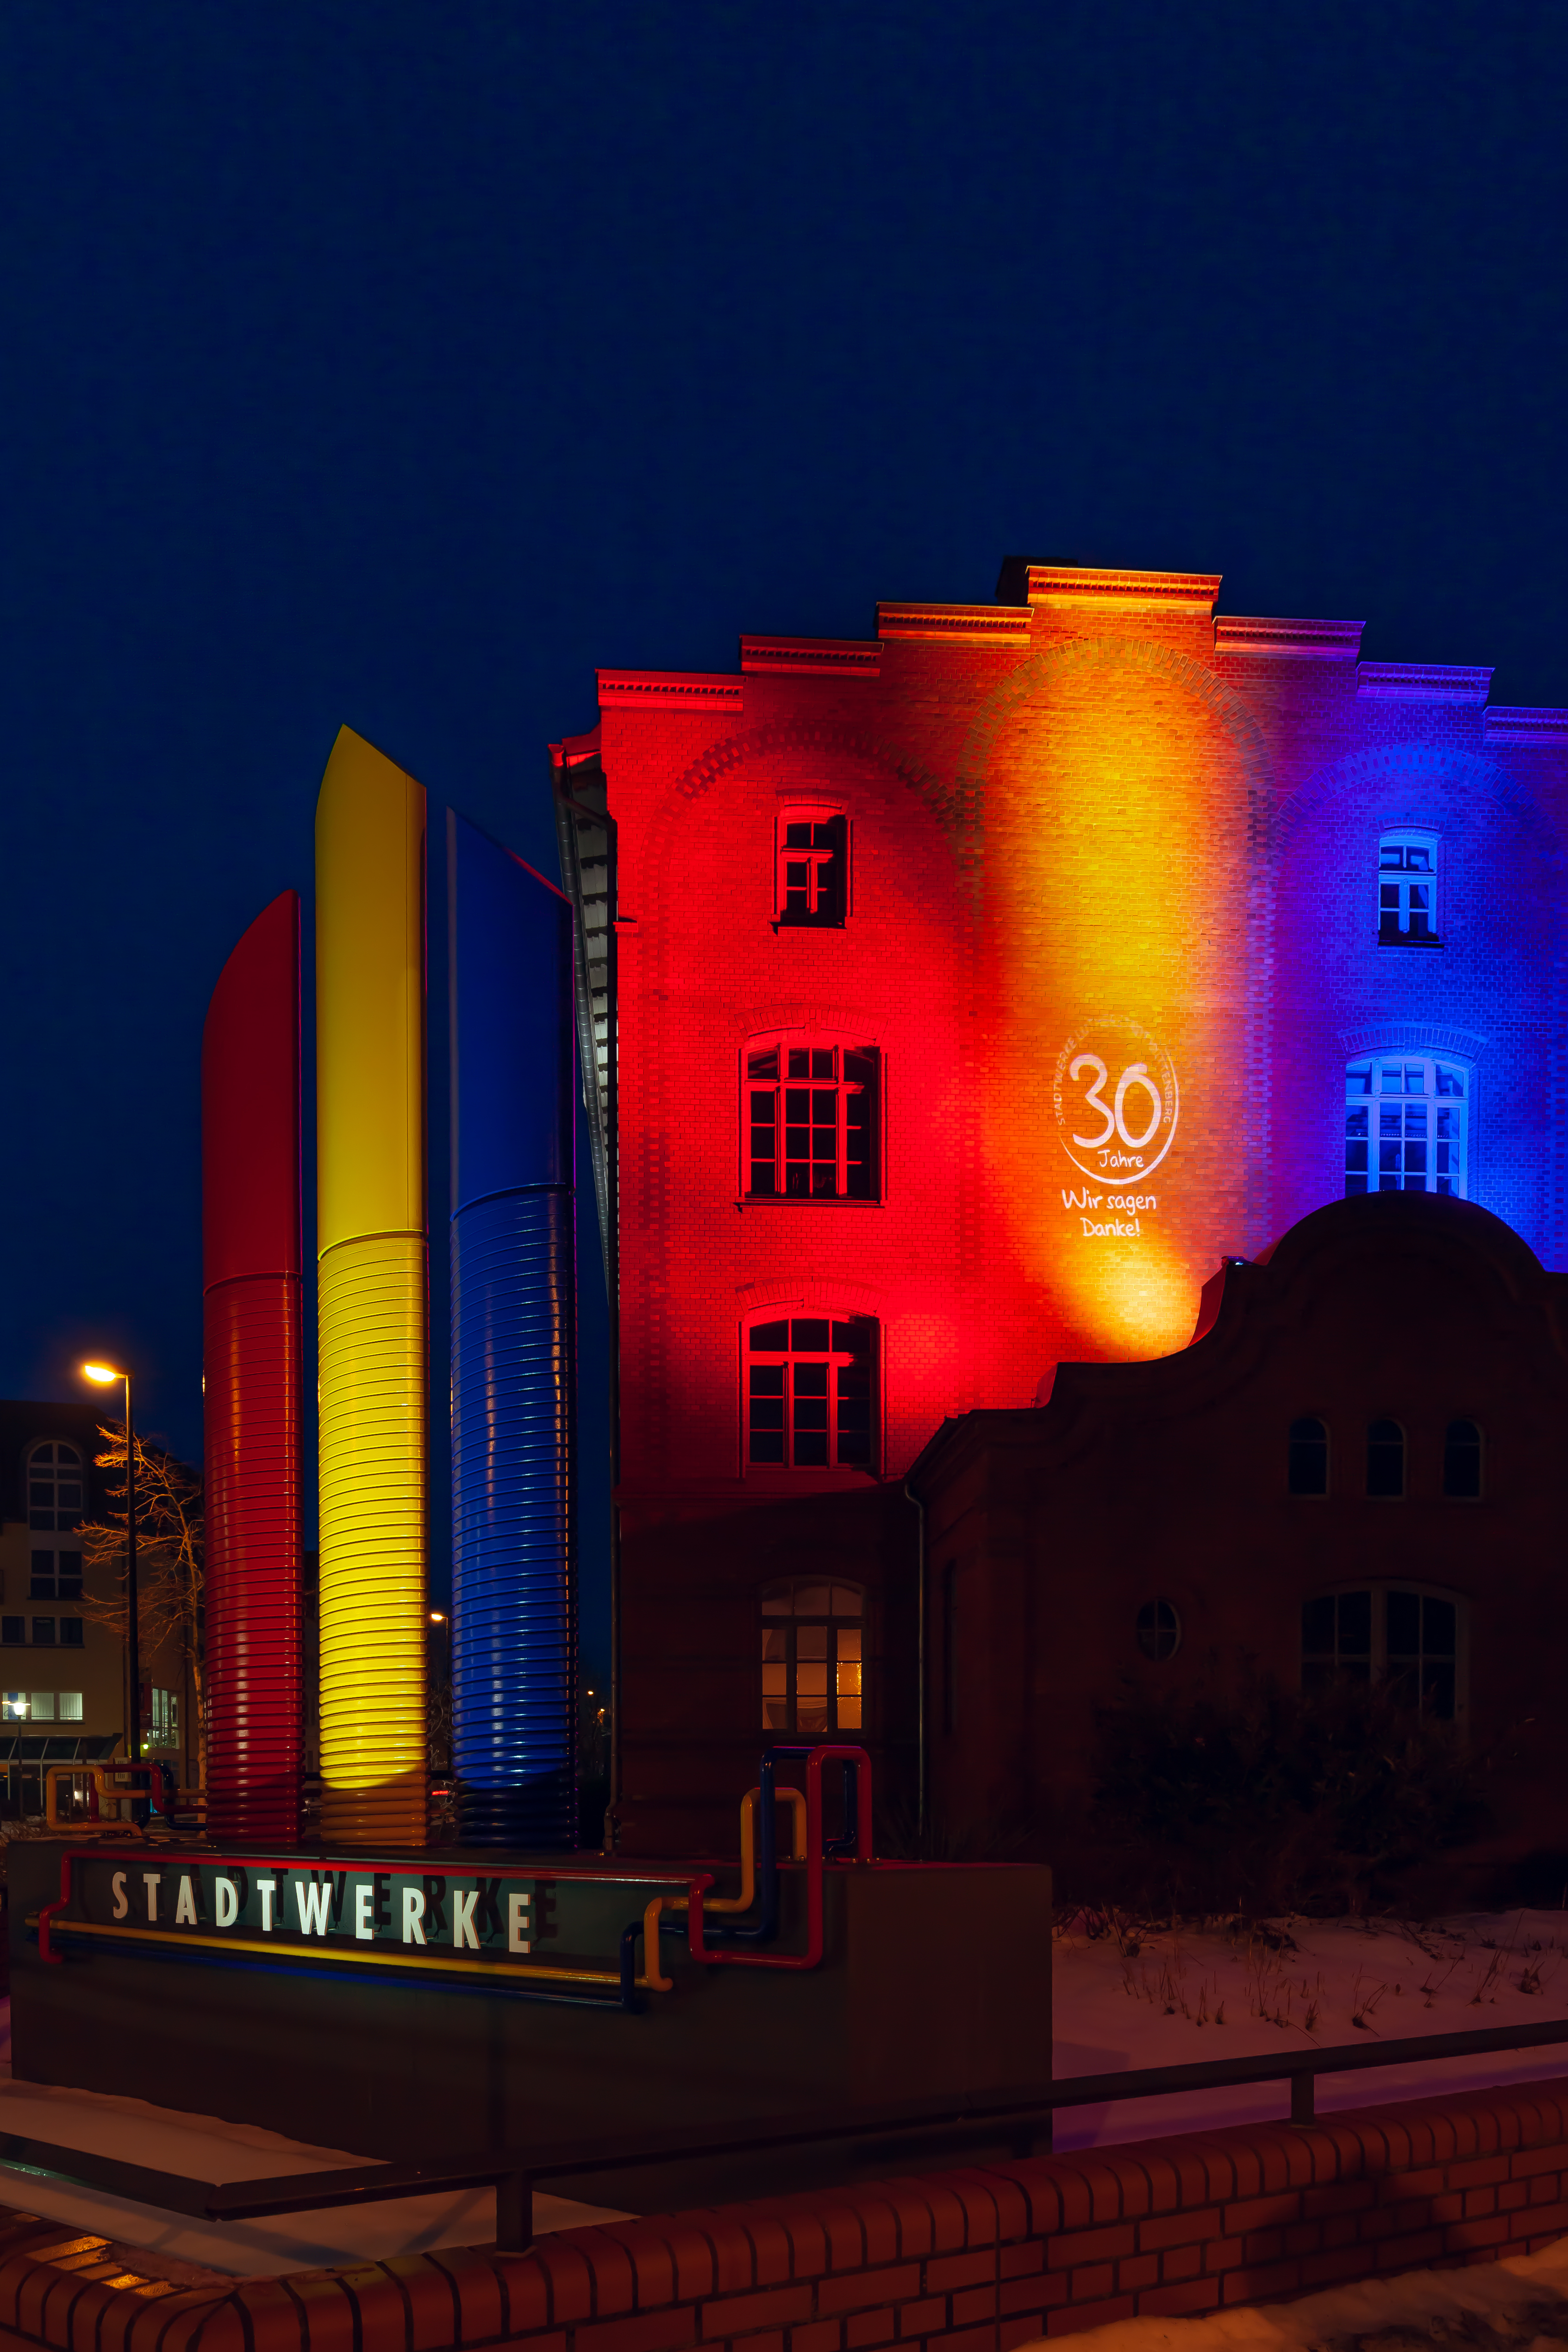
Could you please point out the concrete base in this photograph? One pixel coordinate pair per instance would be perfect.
(935, 1979)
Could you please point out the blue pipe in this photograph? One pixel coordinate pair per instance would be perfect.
(514, 1369)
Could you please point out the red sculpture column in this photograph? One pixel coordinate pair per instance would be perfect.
(251, 1259)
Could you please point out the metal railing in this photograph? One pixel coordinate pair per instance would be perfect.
(1021, 2119)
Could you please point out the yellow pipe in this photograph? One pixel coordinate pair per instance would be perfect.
(652, 1975)
(371, 1244)
(749, 1805)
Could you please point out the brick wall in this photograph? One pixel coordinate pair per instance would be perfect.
(974, 2261)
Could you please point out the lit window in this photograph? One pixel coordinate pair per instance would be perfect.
(1407, 890)
(55, 1498)
(1308, 1457)
(163, 1723)
(15, 1706)
(1159, 1630)
(808, 1392)
(1462, 1460)
(1405, 1126)
(813, 1658)
(1395, 1636)
(813, 866)
(43, 1706)
(810, 1119)
(1384, 1458)
(70, 1706)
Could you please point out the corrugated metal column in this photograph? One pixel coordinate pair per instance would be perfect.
(371, 1296)
(251, 1374)
(514, 1349)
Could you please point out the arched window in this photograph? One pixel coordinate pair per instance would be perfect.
(813, 1658)
(1307, 1456)
(809, 1392)
(1395, 1635)
(1159, 1630)
(55, 1496)
(813, 866)
(1462, 1460)
(1384, 1458)
(1407, 890)
(810, 1119)
(1405, 1125)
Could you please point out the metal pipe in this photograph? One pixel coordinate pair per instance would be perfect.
(811, 1956)
(910, 1496)
(132, 1610)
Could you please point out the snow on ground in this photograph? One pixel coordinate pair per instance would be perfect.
(1124, 1996)
(1518, 2304)
(205, 2147)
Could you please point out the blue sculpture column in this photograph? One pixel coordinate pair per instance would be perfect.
(514, 1347)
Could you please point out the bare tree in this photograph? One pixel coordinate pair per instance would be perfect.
(170, 1565)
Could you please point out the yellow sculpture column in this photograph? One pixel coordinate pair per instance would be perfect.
(372, 1312)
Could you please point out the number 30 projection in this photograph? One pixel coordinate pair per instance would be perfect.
(1117, 1101)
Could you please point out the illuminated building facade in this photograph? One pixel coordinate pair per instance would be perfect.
(974, 991)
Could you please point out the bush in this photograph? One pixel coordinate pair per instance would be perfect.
(1273, 1800)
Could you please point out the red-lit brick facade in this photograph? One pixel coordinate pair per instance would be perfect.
(1103, 931)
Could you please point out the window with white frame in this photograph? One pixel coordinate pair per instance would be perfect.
(1407, 890)
(813, 1658)
(1400, 1637)
(56, 1497)
(813, 866)
(1405, 1125)
(811, 1121)
(808, 1392)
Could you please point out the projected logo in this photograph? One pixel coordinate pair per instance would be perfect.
(1117, 1101)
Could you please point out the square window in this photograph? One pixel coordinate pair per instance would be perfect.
(70, 1706)
(43, 1630)
(15, 1706)
(70, 1632)
(12, 1628)
(43, 1706)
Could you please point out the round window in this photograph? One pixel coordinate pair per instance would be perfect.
(1159, 1630)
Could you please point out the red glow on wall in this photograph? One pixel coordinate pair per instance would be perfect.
(250, 1165)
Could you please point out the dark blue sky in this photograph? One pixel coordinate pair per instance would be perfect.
(398, 363)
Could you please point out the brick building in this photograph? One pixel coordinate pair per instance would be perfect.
(972, 992)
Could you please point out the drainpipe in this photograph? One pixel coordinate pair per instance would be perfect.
(911, 1496)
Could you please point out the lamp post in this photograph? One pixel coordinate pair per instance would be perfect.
(102, 1375)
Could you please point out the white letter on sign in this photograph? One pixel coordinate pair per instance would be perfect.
(120, 1905)
(313, 1902)
(267, 1888)
(226, 1907)
(462, 1920)
(185, 1908)
(149, 1881)
(412, 1915)
(517, 1920)
(364, 1897)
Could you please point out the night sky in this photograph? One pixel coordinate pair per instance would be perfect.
(396, 364)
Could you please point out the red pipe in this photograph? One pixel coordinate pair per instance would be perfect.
(251, 1351)
(813, 1955)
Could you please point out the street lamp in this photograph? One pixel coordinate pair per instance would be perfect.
(102, 1375)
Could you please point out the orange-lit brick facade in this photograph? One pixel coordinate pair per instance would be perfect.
(1099, 932)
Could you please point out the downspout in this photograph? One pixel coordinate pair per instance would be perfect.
(911, 1496)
